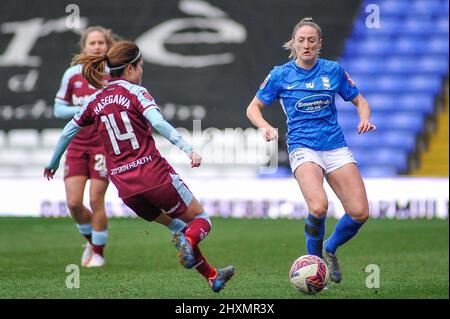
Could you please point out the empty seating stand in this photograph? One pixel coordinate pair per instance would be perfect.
(399, 67)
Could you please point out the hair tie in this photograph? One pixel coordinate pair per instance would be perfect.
(123, 66)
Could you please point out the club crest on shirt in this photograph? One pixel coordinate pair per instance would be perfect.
(326, 82)
(148, 96)
(78, 84)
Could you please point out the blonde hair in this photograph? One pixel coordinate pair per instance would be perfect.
(118, 57)
(110, 36)
(289, 45)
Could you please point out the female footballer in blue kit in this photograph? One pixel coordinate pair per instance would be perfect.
(306, 88)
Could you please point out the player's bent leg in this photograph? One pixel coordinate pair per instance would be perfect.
(198, 222)
(193, 209)
(185, 250)
(74, 193)
(198, 227)
(218, 282)
(332, 263)
(182, 208)
(186, 241)
(97, 193)
(95, 261)
(99, 220)
(86, 231)
(74, 196)
(347, 183)
(310, 179)
(183, 245)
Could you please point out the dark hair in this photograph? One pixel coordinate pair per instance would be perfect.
(289, 45)
(120, 55)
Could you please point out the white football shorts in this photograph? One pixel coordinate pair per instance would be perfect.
(328, 160)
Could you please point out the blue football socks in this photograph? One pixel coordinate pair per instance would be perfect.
(314, 232)
(345, 229)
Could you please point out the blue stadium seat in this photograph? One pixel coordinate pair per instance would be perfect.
(414, 27)
(388, 8)
(394, 84)
(374, 46)
(387, 102)
(402, 8)
(431, 7)
(361, 65)
(399, 68)
(441, 25)
(425, 25)
(407, 121)
(404, 140)
(354, 140)
(414, 102)
(382, 156)
(396, 65)
(437, 64)
(385, 121)
(378, 170)
(421, 45)
(399, 139)
(439, 45)
(402, 27)
(404, 46)
(433, 64)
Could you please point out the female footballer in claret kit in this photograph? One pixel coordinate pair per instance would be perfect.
(122, 113)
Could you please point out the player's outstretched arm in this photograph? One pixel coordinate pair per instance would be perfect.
(169, 132)
(255, 116)
(64, 111)
(69, 131)
(364, 114)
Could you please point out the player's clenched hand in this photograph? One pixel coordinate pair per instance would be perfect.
(49, 173)
(365, 126)
(269, 133)
(196, 159)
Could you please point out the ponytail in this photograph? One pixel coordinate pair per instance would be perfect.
(93, 68)
(120, 55)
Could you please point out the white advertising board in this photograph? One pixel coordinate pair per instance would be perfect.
(243, 198)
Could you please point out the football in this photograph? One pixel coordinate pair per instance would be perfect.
(309, 274)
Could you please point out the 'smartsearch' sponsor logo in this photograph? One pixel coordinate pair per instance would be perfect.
(314, 103)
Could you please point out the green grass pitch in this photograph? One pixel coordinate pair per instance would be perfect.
(412, 255)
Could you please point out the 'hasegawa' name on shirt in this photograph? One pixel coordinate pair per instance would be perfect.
(112, 99)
